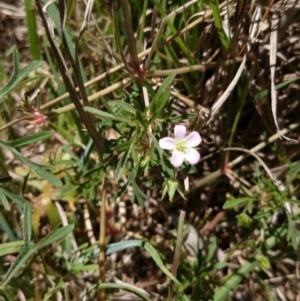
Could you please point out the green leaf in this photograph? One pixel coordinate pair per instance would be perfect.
(179, 40)
(128, 288)
(31, 139)
(170, 186)
(137, 193)
(119, 246)
(29, 251)
(292, 234)
(41, 172)
(190, 169)
(11, 247)
(27, 225)
(120, 147)
(234, 203)
(27, 229)
(22, 257)
(37, 168)
(155, 256)
(277, 87)
(218, 23)
(219, 265)
(14, 197)
(105, 115)
(141, 118)
(4, 201)
(263, 262)
(6, 227)
(68, 191)
(185, 116)
(123, 245)
(85, 267)
(244, 220)
(28, 69)
(32, 29)
(9, 85)
(121, 105)
(55, 235)
(72, 155)
(92, 171)
(18, 76)
(211, 249)
(54, 289)
(160, 99)
(222, 293)
(122, 190)
(166, 83)
(106, 105)
(122, 163)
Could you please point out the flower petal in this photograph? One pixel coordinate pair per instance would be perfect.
(193, 139)
(177, 158)
(167, 143)
(192, 156)
(179, 132)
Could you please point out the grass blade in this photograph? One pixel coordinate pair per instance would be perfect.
(32, 29)
(218, 23)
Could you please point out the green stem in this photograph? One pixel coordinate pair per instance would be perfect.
(178, 242)
(177, 251)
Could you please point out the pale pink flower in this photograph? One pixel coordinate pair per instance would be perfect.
(182, 146)
(35, 120)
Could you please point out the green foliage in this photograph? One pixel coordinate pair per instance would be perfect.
(27, 248)
(136, 151)
(11, 247)
(114, 286)
(81, 263)
(18, 75)
(218, 23)
(222, 293)
(170, 187)
(200, 274)
(135, 103)
(41, 170)
(244, 220)
(32, 29)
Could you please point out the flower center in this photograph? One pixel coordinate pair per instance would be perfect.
(181, 146)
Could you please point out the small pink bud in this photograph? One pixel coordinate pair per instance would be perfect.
(35, 120)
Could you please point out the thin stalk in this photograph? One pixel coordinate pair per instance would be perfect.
(74, 292)
(130, 36)
(178, 243)
(172, 27)
(142, 26)
(118, 38)
(102, 240)
(177, 251)
(156, 39)
(69, 83)
(239, 112)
